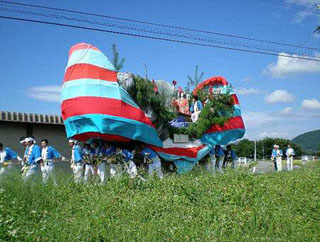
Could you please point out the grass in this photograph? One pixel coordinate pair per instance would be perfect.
(235, 206)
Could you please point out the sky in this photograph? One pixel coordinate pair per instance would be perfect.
(279, 96)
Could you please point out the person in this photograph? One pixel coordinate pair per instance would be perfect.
(76, 160)
(88, 152)
(127, 157)
(230, 155)
(108, 152)
(6, 155)
(182, 104)
(33, 159)
(211, 165)
(48, 153)
(152, 159)
(97, 157)
(276, 156)
(290, 153)
(220, 157)
(195, 109)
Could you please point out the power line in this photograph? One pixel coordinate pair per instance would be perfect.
(158, 24)
(152, 31)
(155, 38)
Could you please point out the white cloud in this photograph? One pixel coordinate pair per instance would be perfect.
(279, 96)
(45, 93)
(288, 66)
(272, 135)
(246, 91)
(311, 104)
(307, 7)
(286, 110)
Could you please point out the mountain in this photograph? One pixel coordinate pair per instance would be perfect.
(309, 140)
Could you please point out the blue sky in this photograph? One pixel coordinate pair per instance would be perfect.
(278, 98)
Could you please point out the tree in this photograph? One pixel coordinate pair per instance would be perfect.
(196, 80)
(118, 65)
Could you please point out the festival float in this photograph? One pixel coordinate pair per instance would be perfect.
(181, 126)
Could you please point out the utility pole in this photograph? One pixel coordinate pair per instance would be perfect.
(255, 150)
(262, 151)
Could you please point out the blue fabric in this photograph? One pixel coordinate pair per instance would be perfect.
(274, 153)
(95, 88)
(179, 122)
(184, 166)
(10, 154)
(78, 156)
(127, 155)
(223, 137)
(212, 152)
(232, 154)
(151, 154)
(219, 151)
(293, 152)
(90, 56)
(97, 152)
(107, 124)
(199, 105)
(26, 151)
(109, 151)
(35, 155)
(52, 153)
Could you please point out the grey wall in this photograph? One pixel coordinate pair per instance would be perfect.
(10, 132)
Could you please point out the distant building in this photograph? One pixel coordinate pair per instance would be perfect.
(14, 125)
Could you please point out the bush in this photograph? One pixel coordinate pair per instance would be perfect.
(198, 206)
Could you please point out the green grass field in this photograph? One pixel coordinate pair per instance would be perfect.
(235, 206)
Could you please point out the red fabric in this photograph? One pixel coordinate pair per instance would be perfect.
(79, 71)
(82, 46)
(217, 80)
(98, 105)
(232, 123)
(235, 99)
(155, 88)
(188, 152)
(93, 135)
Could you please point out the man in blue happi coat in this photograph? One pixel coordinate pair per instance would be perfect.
(76, 160)
(33, 159)
(48, 154)
(219, 152)
(127, 157)
(153, 161)
(6, 156)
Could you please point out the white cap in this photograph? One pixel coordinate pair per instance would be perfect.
(23, 141)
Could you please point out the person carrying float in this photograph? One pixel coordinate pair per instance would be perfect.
(129, 165)
(109, 154)
(76, 160)
(48, 154)
(88, 153)
(97, 159)
(152, 159)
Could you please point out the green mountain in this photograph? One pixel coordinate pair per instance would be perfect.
(309, 140)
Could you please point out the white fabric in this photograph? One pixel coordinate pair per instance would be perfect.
(211, 165)
(132, 170)
(78, 173)
(279, 163)
(102, 172)
(47, 171)
(289, 152)
(168, 143)
(2, 171)
(115, 169)
(3, 154)
(290, 163)
(89, 171)
(33, 170)
(155, 166)
(195, 116)
(44, 153)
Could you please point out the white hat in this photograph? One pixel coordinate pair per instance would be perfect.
(29, 139)
(23, 141)
(73, 141)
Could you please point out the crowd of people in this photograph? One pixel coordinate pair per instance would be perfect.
(99, 156)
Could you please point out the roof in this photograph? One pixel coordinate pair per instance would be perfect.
(30, 118)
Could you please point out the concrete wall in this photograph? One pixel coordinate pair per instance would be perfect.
(10, 133)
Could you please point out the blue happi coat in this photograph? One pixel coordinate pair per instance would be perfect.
(35, 155)
(77, 154)
(147, 152)
(109, 151)
(9, 154)
(52, 153)
(126, 154)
